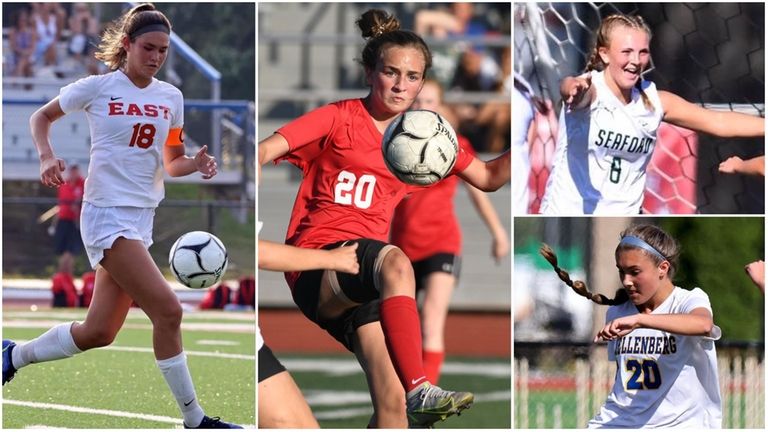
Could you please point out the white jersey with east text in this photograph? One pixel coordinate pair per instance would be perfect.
(602, 153)
(663, 379)
(129, 127)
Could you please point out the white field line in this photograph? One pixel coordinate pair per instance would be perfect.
(212, 327)
(134, 313)
(111, 413)
(351, 367)
(188, 353)
(317, 398)
(83, 410)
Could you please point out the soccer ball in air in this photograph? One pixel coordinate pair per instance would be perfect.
(198, 259)
(420, 147)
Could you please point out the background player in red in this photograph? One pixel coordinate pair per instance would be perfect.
(426, 228)
(125, 185)
(67, 243)
(348, 195)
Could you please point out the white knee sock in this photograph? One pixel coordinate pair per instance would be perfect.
(55, 344)
(176, 374)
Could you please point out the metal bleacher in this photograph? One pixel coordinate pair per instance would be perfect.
(70, 134)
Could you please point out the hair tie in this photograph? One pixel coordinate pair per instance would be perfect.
(378, 30)
(642, 244)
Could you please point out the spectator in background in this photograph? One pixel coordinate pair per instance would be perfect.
(472, 68)
(23, 40)
(217, 297)
(453, 61)
(63, 286)
(48, 19)
(495, 116)
(86, 292)
(67, 242)
(246, 293)
(84, 38)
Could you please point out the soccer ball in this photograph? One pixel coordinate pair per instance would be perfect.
(198, 259)
(420, 147)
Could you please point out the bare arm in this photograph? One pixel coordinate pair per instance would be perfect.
(178, 164)
(500, 246)
(40, 125)
(488, 176)
(696, 323)
(280, 257)
(726, 124)
(272, 148)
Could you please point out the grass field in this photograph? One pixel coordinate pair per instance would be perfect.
(336, 390)
(120, 387)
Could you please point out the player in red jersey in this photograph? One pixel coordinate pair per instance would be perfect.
(425, 227)
(348, 195)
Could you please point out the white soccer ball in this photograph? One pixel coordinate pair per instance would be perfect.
(198, 259)
(420, 147)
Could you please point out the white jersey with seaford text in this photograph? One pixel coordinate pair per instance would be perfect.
(522, 106)
(129, 127)
(663, 379)
(602, 153)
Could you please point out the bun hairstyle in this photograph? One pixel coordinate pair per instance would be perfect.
(659, 240)
(132, 24)
(602, 40)
(381, 30)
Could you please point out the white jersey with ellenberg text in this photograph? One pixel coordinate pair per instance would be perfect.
(663, 379)
(602, 153)
(129, 127)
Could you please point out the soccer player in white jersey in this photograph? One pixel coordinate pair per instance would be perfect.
(136, 131)
(662, 339)
(609, 122)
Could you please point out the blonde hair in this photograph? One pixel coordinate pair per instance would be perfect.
(111, 50)
(602, 40)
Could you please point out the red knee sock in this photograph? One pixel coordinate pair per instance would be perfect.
(433, 362)
(402, 333)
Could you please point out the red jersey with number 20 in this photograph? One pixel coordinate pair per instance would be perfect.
(347, 191)
(425, 222)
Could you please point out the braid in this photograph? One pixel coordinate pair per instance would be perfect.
(579, 286)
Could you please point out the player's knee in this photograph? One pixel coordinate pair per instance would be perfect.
(168, 316)
(397, 268)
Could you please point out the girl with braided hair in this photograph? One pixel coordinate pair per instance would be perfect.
(608, 125)
(348, 195)
(661, 337)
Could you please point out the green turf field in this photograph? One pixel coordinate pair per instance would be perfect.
(336, 390)
(120, 386)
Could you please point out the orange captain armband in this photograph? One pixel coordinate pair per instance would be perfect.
(175, 137)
